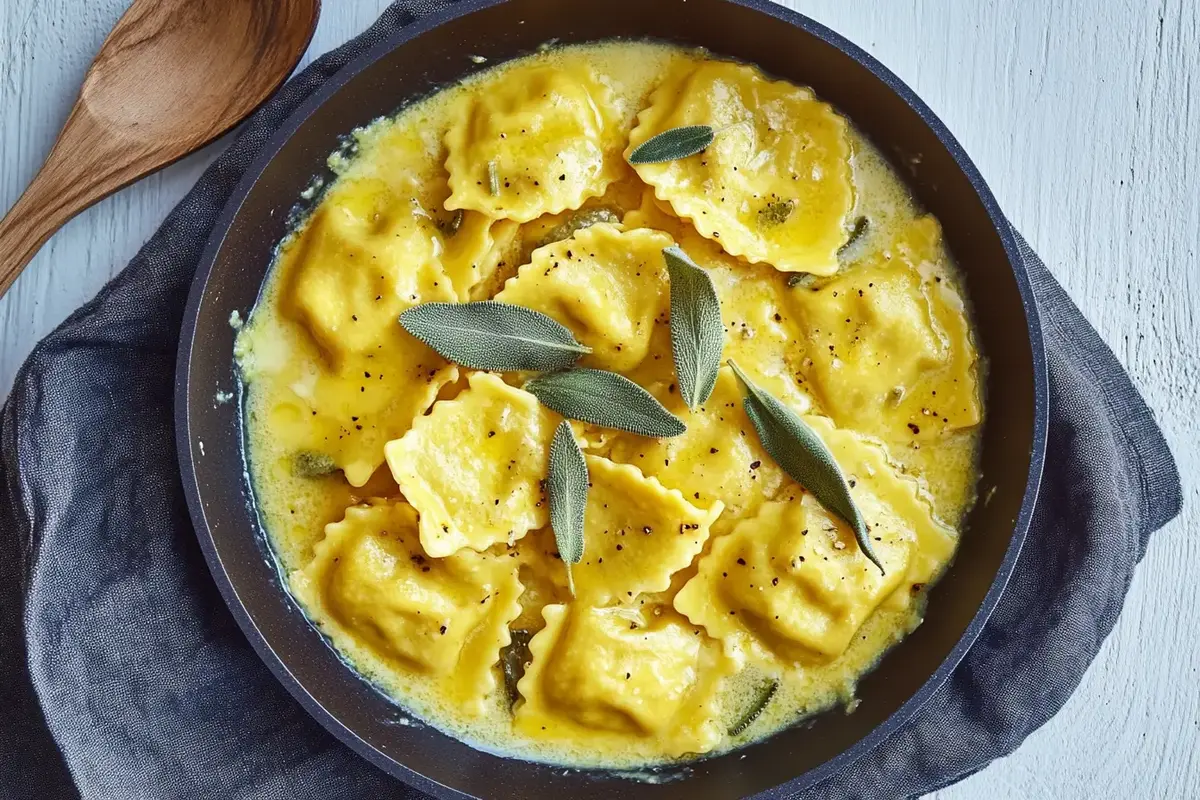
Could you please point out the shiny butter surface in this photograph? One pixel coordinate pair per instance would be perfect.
(707, 571)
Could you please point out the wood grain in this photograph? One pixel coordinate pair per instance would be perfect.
(1085, 117)
(169, 78)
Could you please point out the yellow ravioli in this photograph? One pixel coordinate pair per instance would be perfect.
(776, 184)
(790, 584)
(547, 137)
(473, 467)
(370, 378)
(657, 215)
(371, 250)
(612, 675)
(760, 334)
(608, 286)
(637, 534)
(889, 345)
(446, 618)
(717, 461)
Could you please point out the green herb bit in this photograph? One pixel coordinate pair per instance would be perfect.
(756, 709)
(673, 145)
(311, 464)
(775, 213)
(513, 658)
(579, 221)
(802, 279)
(861, 226)
(493, 178)
(804, 457)
(567, 491)
(697, 334)
(449, 227)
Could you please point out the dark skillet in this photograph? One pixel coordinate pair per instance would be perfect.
(433, 53)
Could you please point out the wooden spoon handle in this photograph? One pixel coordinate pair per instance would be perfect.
(84, 166)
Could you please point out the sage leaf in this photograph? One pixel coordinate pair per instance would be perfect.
(804, 457)
(579, 221)
(567, 487)
(493, 336)
(513, 659)
(605, 399)
(697, 334)
(673, 144)
(861, 226)
(757, 707)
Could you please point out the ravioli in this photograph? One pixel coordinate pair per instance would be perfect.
(790, 584)
(446, 617)
(367, 379)
(604, 673)
(776, 184)
(473, 467)
(540, 142)
(608, 286)
(717, 462)
(637, 534)
(889, 346)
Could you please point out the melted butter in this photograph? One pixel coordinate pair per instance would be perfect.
(282, 365)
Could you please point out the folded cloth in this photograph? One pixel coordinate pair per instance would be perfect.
(123, 675)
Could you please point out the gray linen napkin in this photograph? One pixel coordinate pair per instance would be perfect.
(122, 674)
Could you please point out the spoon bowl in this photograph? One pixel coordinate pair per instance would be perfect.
(172, 76)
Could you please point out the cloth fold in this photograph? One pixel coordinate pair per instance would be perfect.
(123, 675)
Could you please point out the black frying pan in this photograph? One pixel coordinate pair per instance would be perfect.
(433, 53)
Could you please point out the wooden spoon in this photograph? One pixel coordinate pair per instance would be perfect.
(172, 76)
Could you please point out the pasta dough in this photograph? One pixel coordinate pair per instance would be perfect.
(791, 585)
(539, 142)
(637, 534)
(608, 286)
(889, 349)
(445, 617)
(600, 672)
(775, 186)
(473, 467)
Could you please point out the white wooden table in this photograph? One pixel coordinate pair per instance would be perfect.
(1085, 117)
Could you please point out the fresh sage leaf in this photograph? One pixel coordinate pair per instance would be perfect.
(513, 659)
(673, 145)
(311, 464)
(493, 336)
(861, 226)
(493, 178)
(579, 221)
(605, 399)
(697, 334)
(567, 488)
(757, 707)
(804, 457)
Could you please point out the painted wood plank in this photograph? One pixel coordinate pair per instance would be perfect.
(1085, 117)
